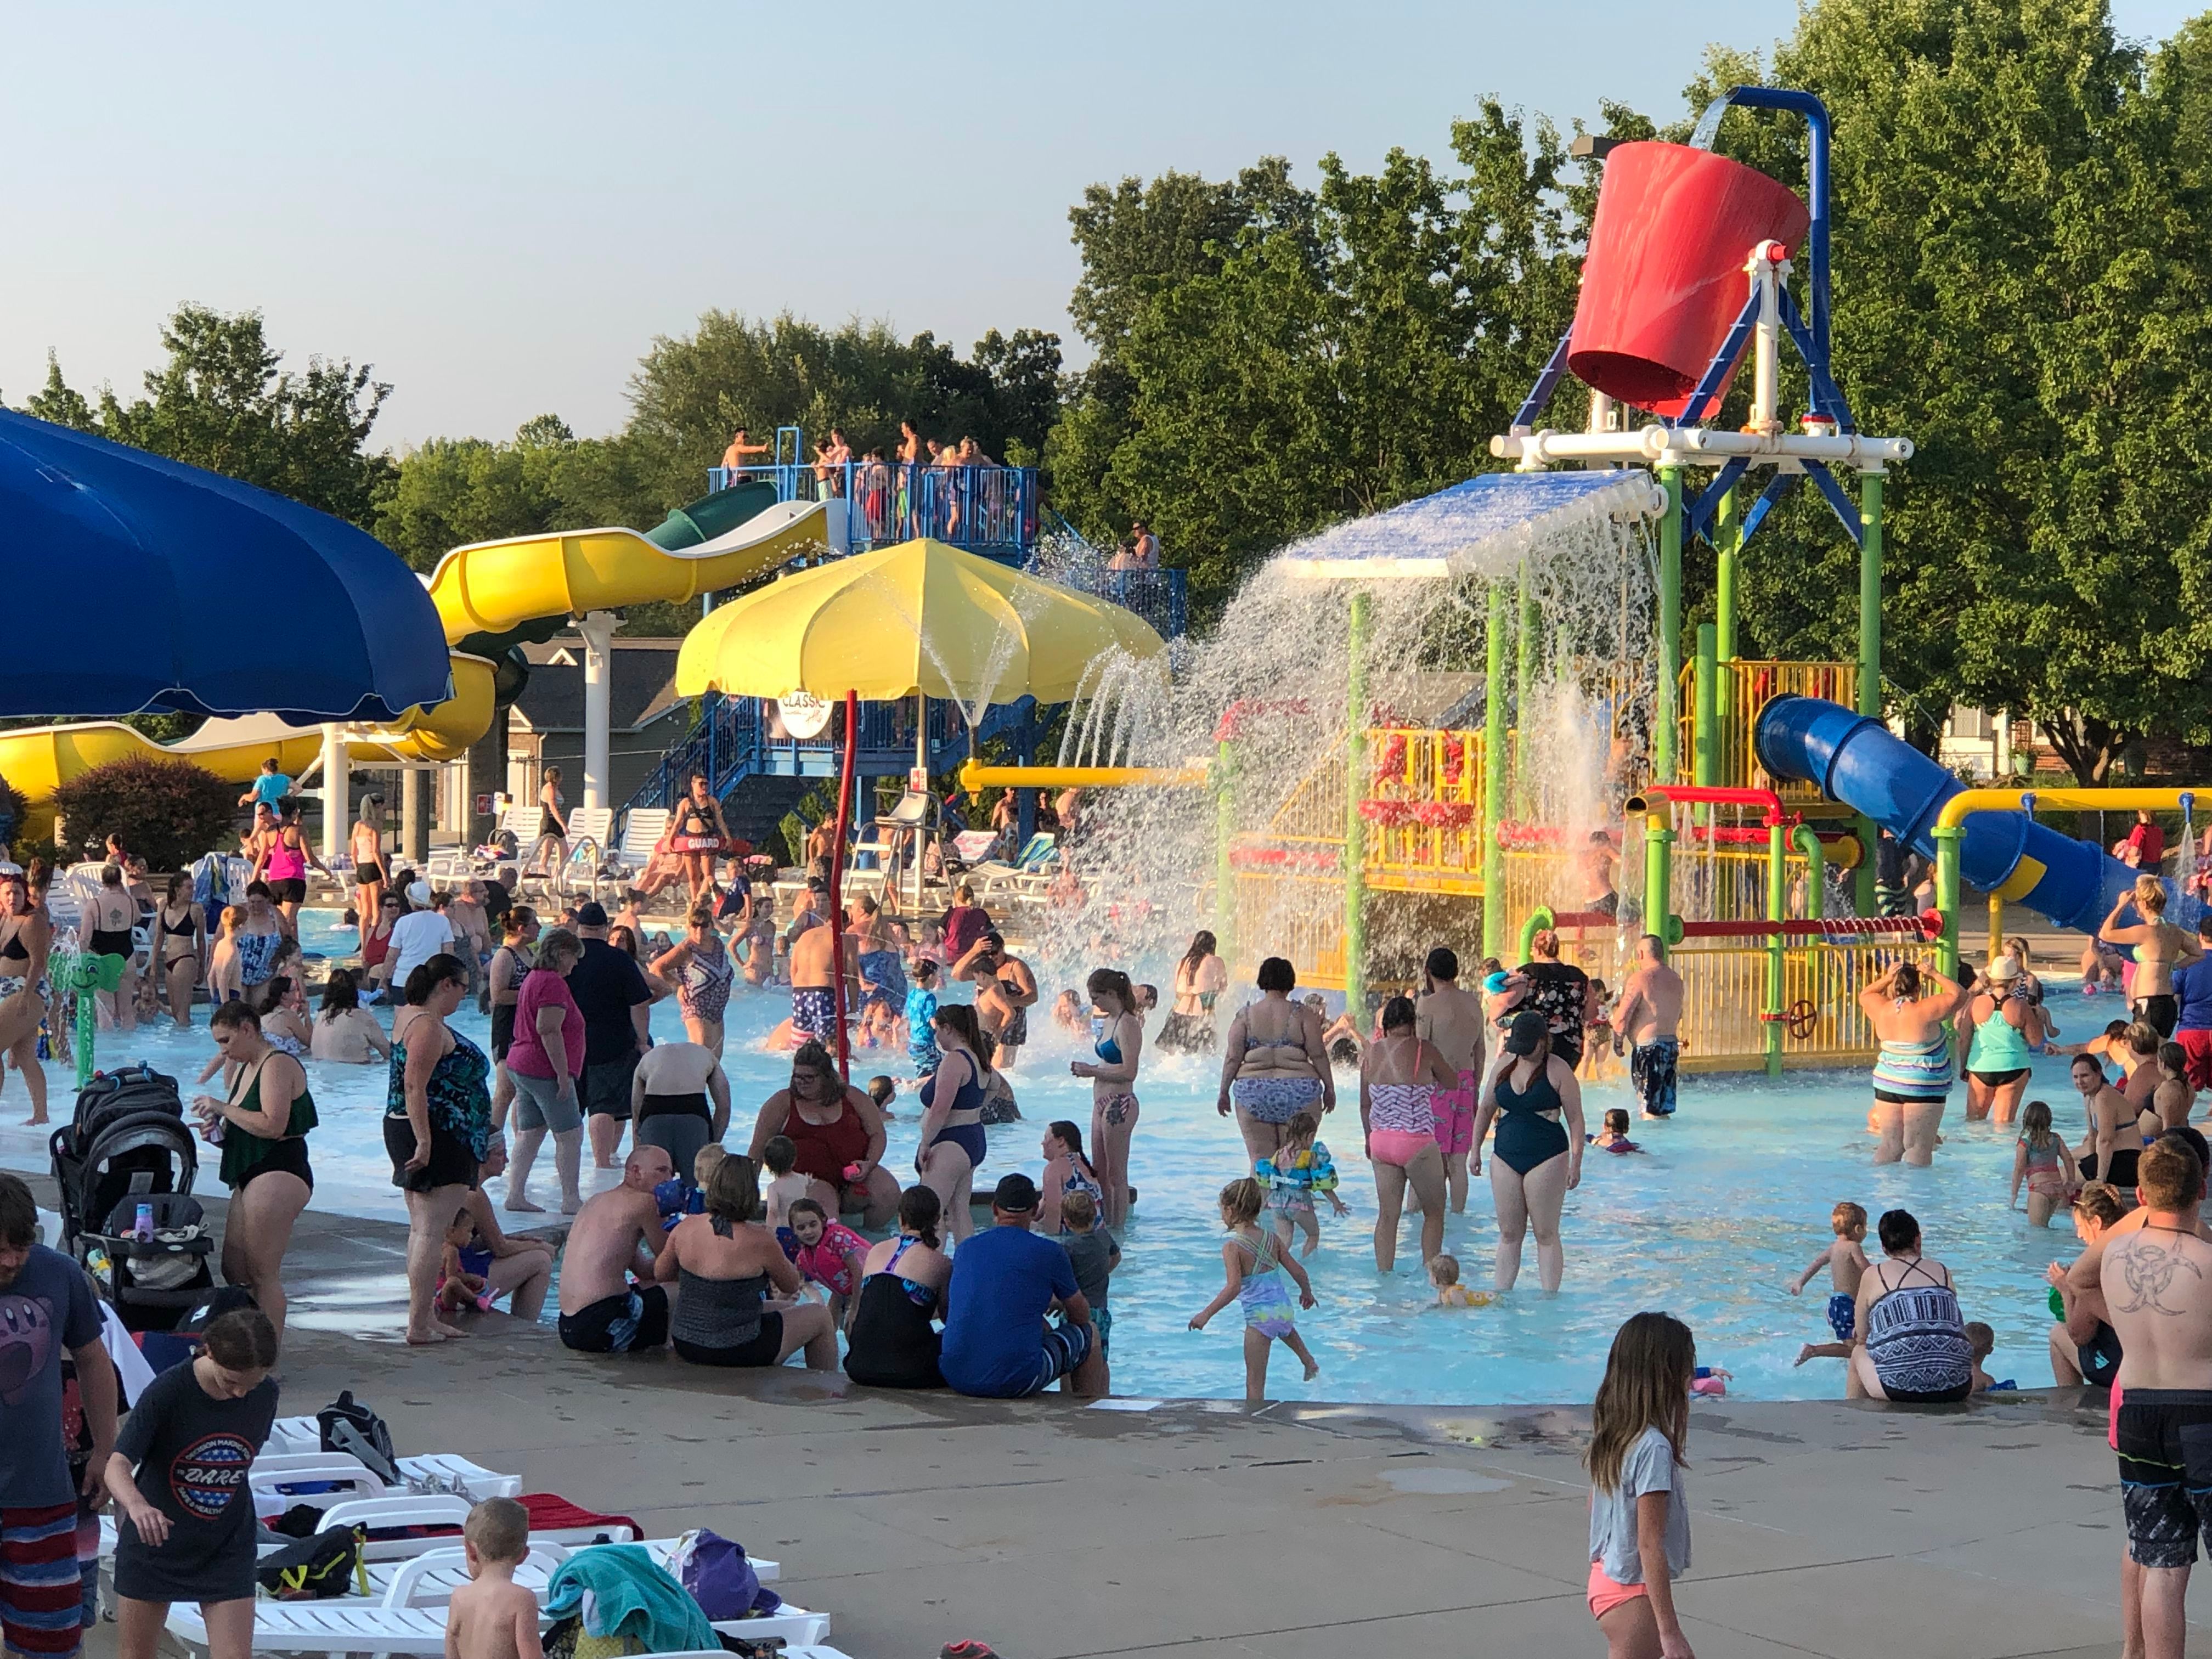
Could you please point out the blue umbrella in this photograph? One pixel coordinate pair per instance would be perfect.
(110, 557)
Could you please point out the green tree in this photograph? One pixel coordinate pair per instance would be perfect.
(2018, 256)
(691, 392)
(1338, 353)
(223, 401)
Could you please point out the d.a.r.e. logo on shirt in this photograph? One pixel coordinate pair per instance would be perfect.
(207, 1473)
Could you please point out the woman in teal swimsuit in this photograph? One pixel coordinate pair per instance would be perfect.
(1537, 1161)
(2008, 1028)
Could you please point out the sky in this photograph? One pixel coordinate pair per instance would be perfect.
(501, 205)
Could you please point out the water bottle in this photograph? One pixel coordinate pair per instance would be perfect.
(144, 1232)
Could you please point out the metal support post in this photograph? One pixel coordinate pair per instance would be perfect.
(1355, 827)
(1728, 544)
(1870, 486)
(1777, 960)
(1524, 678)
(1493, 777)
(1665, 762)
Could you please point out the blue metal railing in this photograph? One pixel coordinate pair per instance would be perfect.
(985, 509)
(736, 737)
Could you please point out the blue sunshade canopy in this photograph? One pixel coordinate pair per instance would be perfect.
(145, 584)
(1474, 527)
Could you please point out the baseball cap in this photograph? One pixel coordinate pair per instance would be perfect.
(1526, 1032)
(591, 914)
(1017, 1194)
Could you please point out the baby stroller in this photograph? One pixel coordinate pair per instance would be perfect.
(128, 1144)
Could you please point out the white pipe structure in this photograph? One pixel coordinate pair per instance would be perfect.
(598, 629)
(1659, 446)
(337, 792)
(1766, 268)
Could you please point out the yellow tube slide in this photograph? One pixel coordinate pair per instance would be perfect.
(486, 587)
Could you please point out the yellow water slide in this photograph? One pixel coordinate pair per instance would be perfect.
(487, 587)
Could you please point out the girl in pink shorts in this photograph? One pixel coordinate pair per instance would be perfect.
(1639, 1533)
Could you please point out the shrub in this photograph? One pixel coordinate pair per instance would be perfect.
(12, 806)
(168, 811)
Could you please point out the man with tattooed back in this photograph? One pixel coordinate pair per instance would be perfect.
(2157, 1282)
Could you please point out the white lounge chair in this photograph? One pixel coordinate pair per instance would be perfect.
(642, 829)
(302, 1437)
(410, 1617)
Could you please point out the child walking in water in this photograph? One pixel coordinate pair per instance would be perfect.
(1845, 1259)
(2044, 1161)
(1255, 1264)
(1300, 1167)
(1640, 1532)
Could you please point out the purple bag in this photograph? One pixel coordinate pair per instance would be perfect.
(722, 1581)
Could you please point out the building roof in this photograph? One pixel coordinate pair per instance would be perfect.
(643, 673)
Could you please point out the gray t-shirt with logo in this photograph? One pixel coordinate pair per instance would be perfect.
(47, 1309)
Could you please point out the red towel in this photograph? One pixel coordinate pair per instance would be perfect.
(551, 1513)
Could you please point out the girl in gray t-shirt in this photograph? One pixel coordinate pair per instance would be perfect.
(1639, 1533)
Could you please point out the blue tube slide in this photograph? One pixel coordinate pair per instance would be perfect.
(1858, 761)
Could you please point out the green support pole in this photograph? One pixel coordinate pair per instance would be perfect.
(1705, 726)
(1667, 713)
(1659, 881)
(1728, 542)
(1871, 661)
(1947, 897)
(1355, 827)
(1224, 834)
(1816, 871)
(1493, 778)
(1778, 961)
(1524, 676)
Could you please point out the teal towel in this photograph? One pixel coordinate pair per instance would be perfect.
(629, 1595)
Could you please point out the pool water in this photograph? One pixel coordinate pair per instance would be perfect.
(1729, 1202)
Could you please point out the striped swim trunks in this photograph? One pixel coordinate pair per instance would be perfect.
(40, 1593)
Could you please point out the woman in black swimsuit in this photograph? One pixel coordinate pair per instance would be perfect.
(726, 1262)
(26, 938)
(552, 823)
(701, 832)
(105, 928)
(179, 946)
(265, 1120)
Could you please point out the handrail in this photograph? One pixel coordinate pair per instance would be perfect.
(2027, 800)
(1927, 925)
(975, 775)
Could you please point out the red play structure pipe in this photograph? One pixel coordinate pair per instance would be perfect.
(1709, 795)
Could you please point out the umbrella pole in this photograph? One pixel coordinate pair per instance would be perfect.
(837, 882)
(921, 771)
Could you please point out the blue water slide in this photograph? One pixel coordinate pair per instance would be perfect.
(1858, 761)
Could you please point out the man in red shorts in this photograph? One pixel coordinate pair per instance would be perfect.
(2192, 991)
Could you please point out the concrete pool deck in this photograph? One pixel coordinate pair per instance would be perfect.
(1054, 1530)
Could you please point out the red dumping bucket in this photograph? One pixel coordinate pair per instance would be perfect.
(1663, 280)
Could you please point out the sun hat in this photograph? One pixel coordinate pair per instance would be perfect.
(419, 894)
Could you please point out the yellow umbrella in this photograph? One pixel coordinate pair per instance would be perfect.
(921, 618)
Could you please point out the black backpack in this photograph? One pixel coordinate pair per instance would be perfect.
(348, 1426)
(315, 1569)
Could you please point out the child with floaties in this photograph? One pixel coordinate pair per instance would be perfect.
(830, 1254)
(1638, 1548)
(1845, 1259)
(1300, 1167)
(1443, 1276)
(1614, 1137)
(1253, 1267)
